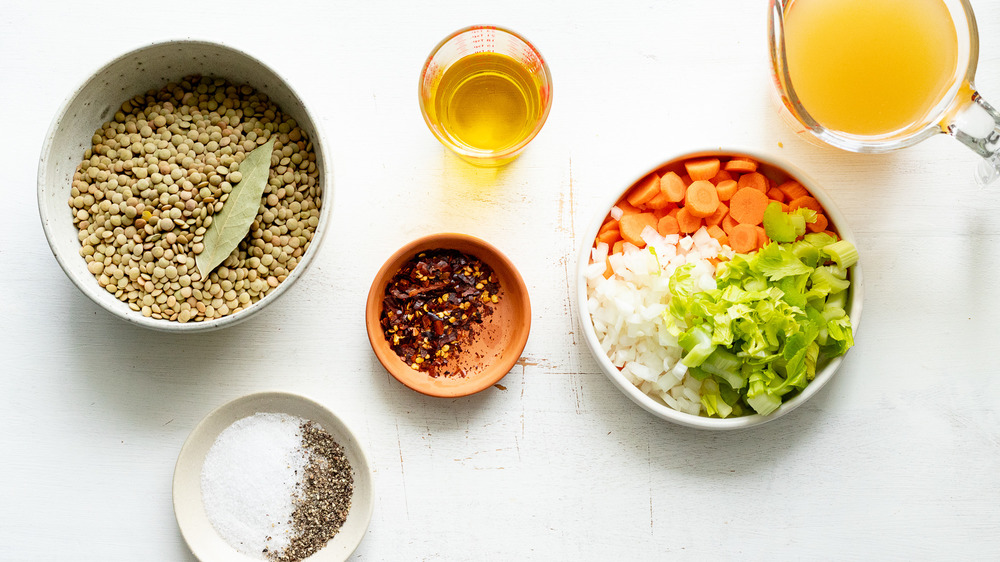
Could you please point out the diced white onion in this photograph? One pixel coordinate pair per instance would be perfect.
(627, 310)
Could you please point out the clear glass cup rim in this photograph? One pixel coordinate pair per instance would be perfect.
(477, 154)
(936, 121)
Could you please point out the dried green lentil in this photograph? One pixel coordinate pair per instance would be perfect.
(155, 174)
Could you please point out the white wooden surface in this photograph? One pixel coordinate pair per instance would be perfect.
(899, 457)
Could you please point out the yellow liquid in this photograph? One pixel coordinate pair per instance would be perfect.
(488, 102)
(870, 67)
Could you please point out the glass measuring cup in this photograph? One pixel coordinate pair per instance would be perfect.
(485, 92)
(959, 111)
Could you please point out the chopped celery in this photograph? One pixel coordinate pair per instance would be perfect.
(726, 366)
(778, 224)
(697, 342)
(776, 261)
(819, 239)
(698, 374)
(812, 356)
(764, 403)
(806, 252)
(807, 214)
(842, 252)
(826, 281)
(713, 401)
(759, 334)
(786, 227)
(837, 300)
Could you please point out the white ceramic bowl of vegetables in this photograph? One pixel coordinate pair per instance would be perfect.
(151, 176)
(702, 335)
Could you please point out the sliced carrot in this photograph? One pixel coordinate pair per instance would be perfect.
(619, 247)
(647, 188)
(762, 239)
(610, 236)
(686, 179)
(728, 223)
(609, 224)
(754, 180)
(776, 195)
(627, 208)
(741, 164)
(687, 222)
(747, 206)
(673, 212)
(660, 213)
(807, 202)
(702, 168)
(726, 189)
(701, 199)
(608, 272)
(633, 225)
(820, 224)
(673, 186)
(667, 225)
(721, 176)
(792, 190)
(717, 233)
(661, 201)
(743, 238)
(721, 212)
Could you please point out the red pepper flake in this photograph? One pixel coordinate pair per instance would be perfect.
(432, 305)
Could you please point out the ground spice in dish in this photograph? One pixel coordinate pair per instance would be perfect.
(276, 487)
(327, 485)
(433, 305)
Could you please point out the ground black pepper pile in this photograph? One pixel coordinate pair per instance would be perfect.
(326, 490)
(433, 304)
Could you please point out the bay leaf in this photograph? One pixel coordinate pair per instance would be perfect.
(231, 224)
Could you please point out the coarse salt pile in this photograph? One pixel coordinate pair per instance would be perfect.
(249, 481)
(627, 308)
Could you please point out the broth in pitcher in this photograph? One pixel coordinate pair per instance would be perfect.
(870, 67)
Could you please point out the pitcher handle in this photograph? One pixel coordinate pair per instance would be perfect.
(977, 125)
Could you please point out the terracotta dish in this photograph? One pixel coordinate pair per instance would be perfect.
(498, 341)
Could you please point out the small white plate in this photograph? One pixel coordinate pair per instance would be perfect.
(197, 530)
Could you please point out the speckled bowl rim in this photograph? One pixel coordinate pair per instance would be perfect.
(666, 412)
(195, 527)
(416, 380)
(124, 312)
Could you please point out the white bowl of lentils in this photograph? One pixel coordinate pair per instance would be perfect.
(144, 153)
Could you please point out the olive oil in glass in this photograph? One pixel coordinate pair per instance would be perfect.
(487, 102)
